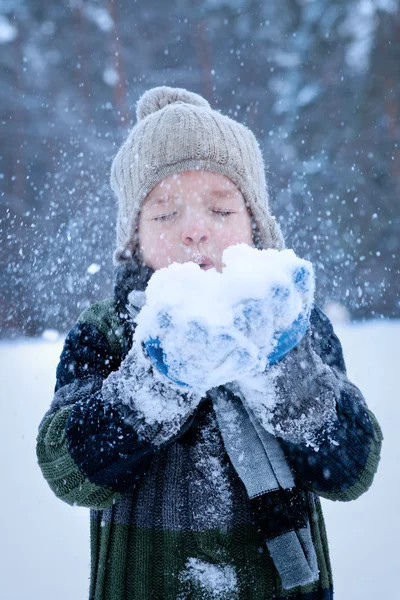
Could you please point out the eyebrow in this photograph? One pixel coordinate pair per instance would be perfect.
(159, 200)
(222, 193)
(216, 193)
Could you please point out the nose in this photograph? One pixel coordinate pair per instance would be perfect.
(196, 233)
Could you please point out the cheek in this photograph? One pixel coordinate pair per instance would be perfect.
(156, 245)
(166, 244)
(237, 231)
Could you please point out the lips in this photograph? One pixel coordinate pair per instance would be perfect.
(203, 261)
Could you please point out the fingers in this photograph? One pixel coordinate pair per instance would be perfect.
(164, 319)
(301, 278)
(196, 332)
(288, 339)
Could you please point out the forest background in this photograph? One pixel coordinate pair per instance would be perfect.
(318, 81)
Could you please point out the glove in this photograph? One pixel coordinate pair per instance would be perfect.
(295, 399)
(204, 329)
(200, 358)
(264, 321)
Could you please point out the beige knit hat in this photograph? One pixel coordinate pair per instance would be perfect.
(177, 131)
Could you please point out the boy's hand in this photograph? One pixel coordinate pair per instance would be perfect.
(296, 399)
(201, 358)
(205, 329)
(207, 359)
(262, 321)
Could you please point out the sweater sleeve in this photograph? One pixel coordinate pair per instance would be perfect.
(106, 421)
(330, 437)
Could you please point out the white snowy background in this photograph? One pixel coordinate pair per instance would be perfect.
(44, 552)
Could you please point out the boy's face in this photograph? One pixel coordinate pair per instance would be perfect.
(192, 216)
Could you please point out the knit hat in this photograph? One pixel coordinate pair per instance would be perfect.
(178, 131)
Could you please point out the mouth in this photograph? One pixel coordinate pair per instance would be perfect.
(204, 262)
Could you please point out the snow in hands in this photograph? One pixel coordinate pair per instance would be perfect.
(203, 328)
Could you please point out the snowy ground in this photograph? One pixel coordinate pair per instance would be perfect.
(45, 549)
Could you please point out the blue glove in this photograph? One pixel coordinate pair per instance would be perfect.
(256, 318)
(199, 358)
(156, 354)
(194, 355)
(288, 339)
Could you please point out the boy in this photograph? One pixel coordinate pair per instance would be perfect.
(171, 515)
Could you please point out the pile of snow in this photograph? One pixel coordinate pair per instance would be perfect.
(189, 293)
(51, 539)
(199, 318)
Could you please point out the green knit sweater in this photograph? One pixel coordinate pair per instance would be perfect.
(172, 521)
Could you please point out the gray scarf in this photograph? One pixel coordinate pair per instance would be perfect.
(259, 461)
(279, 506)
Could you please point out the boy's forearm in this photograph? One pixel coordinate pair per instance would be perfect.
(87, 454)
(157, 409)
(65, 478)
(96, 432)
(347, 459)
(333, 452)
(114, 433)
(338, 454)
(330, 437)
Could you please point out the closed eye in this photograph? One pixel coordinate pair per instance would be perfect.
(165, 217)
(223, 213)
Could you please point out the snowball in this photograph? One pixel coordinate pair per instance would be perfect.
(190, 294)
(202, 316)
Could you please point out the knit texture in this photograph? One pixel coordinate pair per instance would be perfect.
(261, 465)
(170, 518)
(178, 131)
